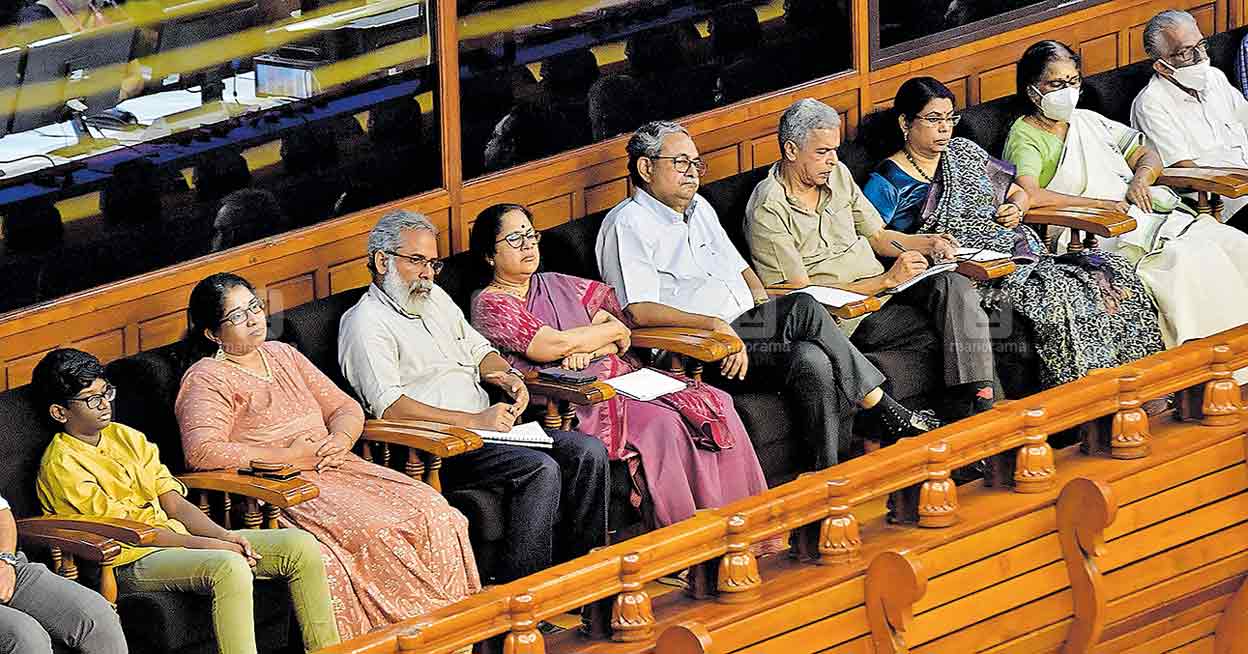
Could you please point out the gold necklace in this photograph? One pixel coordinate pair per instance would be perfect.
(514, 290)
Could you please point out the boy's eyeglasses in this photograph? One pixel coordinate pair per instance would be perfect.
(98, 400)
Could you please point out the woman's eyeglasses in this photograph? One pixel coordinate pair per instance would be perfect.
(96, 402)
(239, 316)
(1059, 84)
(935, 120)
(518, 239)
(682, 164)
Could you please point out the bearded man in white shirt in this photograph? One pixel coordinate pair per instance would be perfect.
(1191, 114)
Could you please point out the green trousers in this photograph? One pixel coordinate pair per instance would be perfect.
(290, 555)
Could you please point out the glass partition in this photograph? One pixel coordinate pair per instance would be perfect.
(144, 134)
(546, 76)
(904, 30)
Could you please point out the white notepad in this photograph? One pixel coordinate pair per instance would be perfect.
(832, 297)
(964, 254)
(529, 434)
(937, 269)
(645, 384)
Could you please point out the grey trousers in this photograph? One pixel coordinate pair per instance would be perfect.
(47, 607)
(796, 348)
(943, 313)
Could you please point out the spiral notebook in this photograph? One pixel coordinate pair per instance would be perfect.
(529, 434)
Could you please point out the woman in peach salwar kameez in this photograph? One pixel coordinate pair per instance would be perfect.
(393, 547)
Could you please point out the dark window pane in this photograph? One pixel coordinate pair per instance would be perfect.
(905, 25)
(239, 123)
(539, 78)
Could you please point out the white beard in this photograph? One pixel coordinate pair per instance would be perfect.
(412, 298)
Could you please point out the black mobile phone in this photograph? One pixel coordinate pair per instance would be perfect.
(565, 376)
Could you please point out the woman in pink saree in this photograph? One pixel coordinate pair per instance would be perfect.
(691, 445)
(393, 547)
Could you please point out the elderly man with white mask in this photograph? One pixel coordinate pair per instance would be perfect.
(1191, 114)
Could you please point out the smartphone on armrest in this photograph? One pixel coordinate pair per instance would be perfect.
(565, 376)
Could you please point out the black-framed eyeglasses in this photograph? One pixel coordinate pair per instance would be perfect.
(96, 402)
(518, 239)
(239, 315)
(1059, 84)
(934, 120)
(682, 164)
(417, 260)
(1191, 54)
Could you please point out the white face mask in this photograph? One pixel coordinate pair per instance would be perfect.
(1194, 77)
(1059, 104)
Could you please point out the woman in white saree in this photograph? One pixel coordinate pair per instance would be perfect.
(1195, 268)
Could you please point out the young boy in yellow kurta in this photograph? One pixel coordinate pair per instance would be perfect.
(96, 467)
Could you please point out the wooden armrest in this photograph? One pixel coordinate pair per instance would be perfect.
(1227, 182)
(127, 532)
(982, 271)
(277, 492)
(82, 545)
(1101, 222)
(844, 312)
(435, 438)
(701, 344)
(591, 393)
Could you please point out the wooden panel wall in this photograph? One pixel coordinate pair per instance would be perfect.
(147, 311)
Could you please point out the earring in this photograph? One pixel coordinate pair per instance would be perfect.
(220, 355)
(905, 135)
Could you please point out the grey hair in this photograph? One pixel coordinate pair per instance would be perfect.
(647, 141)
(386, 235)
(1159, 25)
(803, 117)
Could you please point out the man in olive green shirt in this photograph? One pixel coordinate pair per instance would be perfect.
(807, 222)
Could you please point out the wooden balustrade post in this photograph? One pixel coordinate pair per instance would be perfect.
(552, 418)
(252, 517)
(413, 465)
(270, 516)
(1085, 508)
(69, 568)
(1034, 471)
(385, 454)
(567, 415)
(1129, 433)
(434, 475)
(366, 451)
(739, 580)
(938, 496)
(227, 512)
(108, 584)
(55, 553)
(201, 500)
(839, 540)
(524, 638)
(632, 618)
(1222, 401)
(894, 583)
(676, 363)
(1076, 243)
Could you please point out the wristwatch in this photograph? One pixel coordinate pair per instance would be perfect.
(9, 558)
(515, 371)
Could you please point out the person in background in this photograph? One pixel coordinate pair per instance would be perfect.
(38, 607)
(808, 223)
(392, 546)
(692, 445)
(1083, 310)
(1189, 112)
(95, 467)
(671, 264)
(1195, 269)
(410, 354)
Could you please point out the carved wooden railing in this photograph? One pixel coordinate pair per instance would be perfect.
(817, 511)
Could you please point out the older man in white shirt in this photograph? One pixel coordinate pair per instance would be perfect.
(672, 264)
(408, 352)
(1191, 114)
